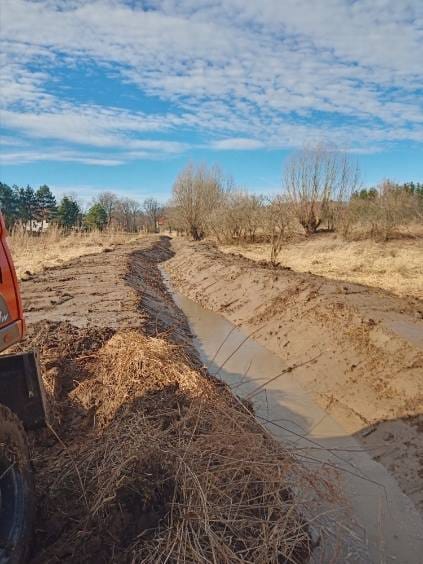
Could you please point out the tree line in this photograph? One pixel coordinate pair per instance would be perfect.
(35, 208)
(321, 190)
(412, 188)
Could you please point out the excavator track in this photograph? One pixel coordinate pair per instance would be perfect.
(16, 490)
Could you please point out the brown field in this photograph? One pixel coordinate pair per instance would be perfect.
(34, 252)
(395, 266)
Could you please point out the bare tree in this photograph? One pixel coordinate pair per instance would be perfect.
(279, 225)
(152, 210)
(252, 215)
(319, 182)
(128, 212)
(109, 202)
(196, 192)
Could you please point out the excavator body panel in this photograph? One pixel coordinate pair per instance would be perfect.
(21, 388)
(12, 325)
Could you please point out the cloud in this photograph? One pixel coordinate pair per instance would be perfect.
(238, 143)
(90, 192)
(92, 126)
(27, 156)
(236, 74)
(89, 125)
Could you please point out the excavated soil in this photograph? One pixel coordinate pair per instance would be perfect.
(366, 345)
(146, 456)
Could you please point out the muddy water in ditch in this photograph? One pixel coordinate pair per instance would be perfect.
(381, 523)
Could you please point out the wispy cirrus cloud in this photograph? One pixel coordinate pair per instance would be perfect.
(22, 156)
(232, 75)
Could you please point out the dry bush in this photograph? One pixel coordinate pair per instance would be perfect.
(197, 191)
(237, 219)
(280, 225)
(242, 217)
(34, 251)
(380, 216)
(175, 470)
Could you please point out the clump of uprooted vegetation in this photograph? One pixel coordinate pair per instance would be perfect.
(148, 460)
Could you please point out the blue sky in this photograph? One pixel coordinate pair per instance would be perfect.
(113, 95)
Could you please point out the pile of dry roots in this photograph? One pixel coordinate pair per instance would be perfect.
(150, 460)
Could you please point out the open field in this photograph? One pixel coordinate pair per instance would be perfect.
(34, 252)
(395, 266)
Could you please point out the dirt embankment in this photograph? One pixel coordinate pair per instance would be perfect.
(367, 345)
(147, 458)
(395, 266)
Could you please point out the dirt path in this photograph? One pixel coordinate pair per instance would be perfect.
(366, 345)
(89, 290)
(118, 289)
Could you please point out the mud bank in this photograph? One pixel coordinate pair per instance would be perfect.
(380, 514)
(359, 350)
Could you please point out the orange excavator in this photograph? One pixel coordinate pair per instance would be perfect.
(22, 408)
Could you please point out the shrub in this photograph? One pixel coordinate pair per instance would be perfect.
(380, 213)
(280, 225)
(238, 218)
(197, 191)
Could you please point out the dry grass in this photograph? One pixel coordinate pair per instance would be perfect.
(175, 469)
(33, 252)
(396, 266)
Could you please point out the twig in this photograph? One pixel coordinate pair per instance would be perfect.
(73, 463)
(289, 369)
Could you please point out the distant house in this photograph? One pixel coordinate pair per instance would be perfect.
(37, 226)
